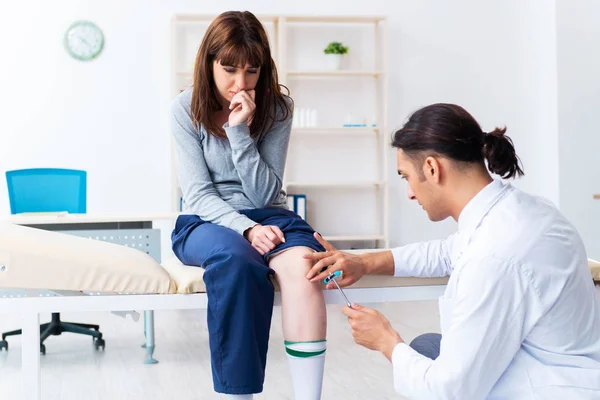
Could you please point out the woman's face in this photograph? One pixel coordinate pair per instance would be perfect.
(230, 79)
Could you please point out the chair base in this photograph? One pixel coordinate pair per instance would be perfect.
(55, 328)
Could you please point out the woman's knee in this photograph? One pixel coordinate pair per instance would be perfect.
(291, 268)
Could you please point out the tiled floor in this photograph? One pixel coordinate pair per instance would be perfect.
(72, 369)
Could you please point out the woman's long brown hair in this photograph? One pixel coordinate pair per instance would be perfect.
(237, 38)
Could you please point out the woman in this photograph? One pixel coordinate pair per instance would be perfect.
(231, 134)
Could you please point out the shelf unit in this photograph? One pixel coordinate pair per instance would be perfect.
(333, 185)
(362, 185)
(337, 130)
(293, 74)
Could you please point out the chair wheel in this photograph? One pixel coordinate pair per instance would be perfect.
(3, 345)
(99, 343)
(43, 349)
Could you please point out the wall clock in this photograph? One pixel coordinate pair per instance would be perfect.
(84, 40)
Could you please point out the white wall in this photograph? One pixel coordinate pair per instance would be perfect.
(578, 38)
(111, 116)
(108, 116)
(496, 59)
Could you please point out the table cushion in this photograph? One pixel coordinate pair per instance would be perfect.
(594, 269)
(37, 259)
(189, 278)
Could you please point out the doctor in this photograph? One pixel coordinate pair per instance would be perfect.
(519, 318)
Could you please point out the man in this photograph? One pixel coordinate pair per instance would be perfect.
(519, 318)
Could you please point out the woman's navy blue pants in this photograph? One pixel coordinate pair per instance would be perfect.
(240, 292)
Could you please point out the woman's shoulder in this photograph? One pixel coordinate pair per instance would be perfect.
(181, 110)
(183, 101)
(284, 109)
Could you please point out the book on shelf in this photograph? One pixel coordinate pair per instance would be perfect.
(297, 204)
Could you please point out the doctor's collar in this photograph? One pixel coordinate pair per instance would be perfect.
(479, 205)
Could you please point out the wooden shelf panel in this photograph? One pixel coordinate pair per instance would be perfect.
(335, 19)
(352, 238)
(334, 185)
(190, 19)
(343, 130)
(338, 73)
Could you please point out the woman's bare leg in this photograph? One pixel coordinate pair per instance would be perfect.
(303, 307)
(304, 319)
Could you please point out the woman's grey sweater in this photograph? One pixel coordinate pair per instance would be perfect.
(219, 176)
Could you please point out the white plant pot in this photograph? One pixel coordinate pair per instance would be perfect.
(334, 61)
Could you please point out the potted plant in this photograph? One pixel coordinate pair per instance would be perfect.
(335, 52)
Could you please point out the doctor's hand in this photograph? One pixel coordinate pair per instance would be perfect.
(352, 266)
(372, 330)
(243, 107)
(264, 238)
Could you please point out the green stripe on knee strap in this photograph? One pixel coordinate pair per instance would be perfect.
(305, 349)
(303, 354)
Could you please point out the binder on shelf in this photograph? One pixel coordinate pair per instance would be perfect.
(297, 204)
(301, 205)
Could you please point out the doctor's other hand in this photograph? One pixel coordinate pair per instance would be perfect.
(372, 330)
(352, 266)
(264, 238)
(242, 107)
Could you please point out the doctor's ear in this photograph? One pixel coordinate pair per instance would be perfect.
(431, 169)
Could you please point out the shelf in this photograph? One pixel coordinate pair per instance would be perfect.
(335, 131)
(326, 184)
(316, 74)
(353, 186)
(335, 18)
(192, 19)
(342, 185)
(341, 73)
(352, 238)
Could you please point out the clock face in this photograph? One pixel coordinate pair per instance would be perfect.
(84, 40)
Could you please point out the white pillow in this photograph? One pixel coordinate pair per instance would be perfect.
(38, 259)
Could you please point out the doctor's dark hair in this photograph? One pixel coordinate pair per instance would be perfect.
(237, 38)
(449, 130)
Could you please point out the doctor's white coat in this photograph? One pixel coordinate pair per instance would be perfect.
(520, 317)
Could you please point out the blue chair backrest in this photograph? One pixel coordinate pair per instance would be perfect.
(46, 190)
